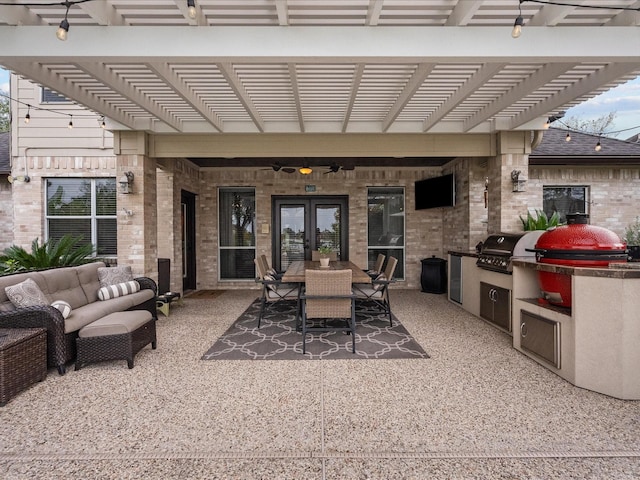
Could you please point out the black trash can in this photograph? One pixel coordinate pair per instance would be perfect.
(434, 275)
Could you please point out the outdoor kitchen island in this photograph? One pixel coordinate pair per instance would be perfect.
(594, 343)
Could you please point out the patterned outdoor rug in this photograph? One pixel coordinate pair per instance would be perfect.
(277, 338)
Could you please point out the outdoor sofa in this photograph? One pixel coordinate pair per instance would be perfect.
(75, 292)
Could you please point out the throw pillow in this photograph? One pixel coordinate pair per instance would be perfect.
(26, 294)
(63, 306)
(114, 275)
(378, 282)
(271, 286)
(119, 290)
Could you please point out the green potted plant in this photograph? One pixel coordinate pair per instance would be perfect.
(325, 252)
(540, 221)
(632, 239)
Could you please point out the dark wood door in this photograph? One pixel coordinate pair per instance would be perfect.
(188, 241)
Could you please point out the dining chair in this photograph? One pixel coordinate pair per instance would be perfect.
(315, 256)
(377, 292)
(266, 268)
(377, 268)
(327, 295)
(273, 290)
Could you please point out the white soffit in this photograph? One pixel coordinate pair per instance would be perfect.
(324, 66)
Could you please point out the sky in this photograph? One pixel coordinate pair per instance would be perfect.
(624, 100)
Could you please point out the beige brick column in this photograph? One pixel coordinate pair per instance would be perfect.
(137, 211)
(505, 206)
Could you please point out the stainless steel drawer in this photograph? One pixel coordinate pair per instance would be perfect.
(541, 337)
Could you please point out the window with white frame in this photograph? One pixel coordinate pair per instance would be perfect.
(49, 96)
(83, 207)
(237, 244)
(385, 225)
(565, 199)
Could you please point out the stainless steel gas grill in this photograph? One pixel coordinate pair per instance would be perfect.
(499, 250)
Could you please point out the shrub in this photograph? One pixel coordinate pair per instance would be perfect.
(540, 221)
(62, 253)
(632, 233)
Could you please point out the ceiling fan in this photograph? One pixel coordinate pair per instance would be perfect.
(334, 167)
(277, 167)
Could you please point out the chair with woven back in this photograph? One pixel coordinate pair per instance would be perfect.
(377, 292)
(266, 268)
(377, 268)
(273, 290)
(328, 296)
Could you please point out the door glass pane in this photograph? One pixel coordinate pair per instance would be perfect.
(328, 227)
(291, 234)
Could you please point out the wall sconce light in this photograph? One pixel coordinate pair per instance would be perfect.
(518, 181)
(127, 213)
(126, 182)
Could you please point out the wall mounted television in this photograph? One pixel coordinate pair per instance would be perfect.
(436, 192)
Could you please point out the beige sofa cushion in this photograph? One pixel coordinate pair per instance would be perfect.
(64, 284)
(88, 276)
(96, 310)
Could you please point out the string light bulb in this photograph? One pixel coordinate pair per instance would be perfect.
(567, 138)
(598, 146)
(63, 29)
(517, 25)
(191, 4)
(27, 117)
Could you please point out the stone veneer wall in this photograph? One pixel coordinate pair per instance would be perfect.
(6, 214)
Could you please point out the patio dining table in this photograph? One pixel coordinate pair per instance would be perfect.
(295, 272)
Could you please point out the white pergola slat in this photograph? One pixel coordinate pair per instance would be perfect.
(336, 66)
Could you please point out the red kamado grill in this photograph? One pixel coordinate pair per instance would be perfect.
(576, 244)
(498, 251)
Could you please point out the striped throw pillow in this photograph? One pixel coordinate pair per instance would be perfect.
(118, 290)
(63, 306)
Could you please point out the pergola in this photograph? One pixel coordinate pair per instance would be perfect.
(323, 66)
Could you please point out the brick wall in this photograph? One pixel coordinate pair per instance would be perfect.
(6, 214)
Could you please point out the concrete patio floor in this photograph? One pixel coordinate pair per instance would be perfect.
(477, 409)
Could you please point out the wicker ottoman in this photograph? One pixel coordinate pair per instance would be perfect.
(118, 336)
(23, 360)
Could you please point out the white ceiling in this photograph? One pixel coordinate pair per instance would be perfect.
(337, 66)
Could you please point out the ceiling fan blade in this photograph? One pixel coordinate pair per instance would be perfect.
(288, 169)
(349, 167)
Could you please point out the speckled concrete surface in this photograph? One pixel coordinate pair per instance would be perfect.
(476, 409)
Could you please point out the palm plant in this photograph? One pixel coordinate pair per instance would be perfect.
(66, 251)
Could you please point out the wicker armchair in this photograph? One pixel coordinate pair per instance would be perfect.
(328, 295)
(376, 293)
(273, 290)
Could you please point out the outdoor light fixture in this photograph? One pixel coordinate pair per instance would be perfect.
(102, 123)
(517, 25)
(567, 138)
(126, 183)
(63, 29)
(518, 181)
(27, 117)
(192, 8)
(598, 146)
(305, 170)
(71, 122)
